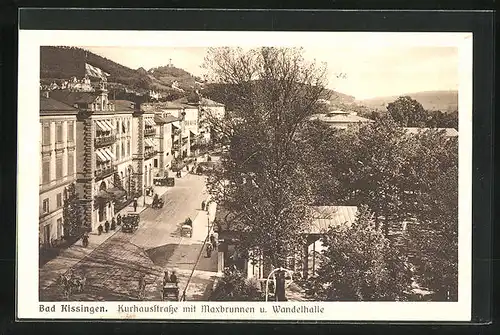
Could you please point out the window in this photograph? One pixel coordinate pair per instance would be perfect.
(46, 172)
(59, 200)
(59, 132)
(71, 132)
(123, 149)
(59, 228)
(71, 163)
(155, 163)
(46, 134)
(45, 206)
(59, 166)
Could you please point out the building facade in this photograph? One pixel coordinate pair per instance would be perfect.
(57, 159)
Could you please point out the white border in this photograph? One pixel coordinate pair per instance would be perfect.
(28, 174)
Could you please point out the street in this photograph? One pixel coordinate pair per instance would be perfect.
(113, 269)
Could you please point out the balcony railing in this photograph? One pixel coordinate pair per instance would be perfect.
(149, 154)
(46, 148)
(101, 173)
(59, 145)
(71, 143)
(149, 132)
(104, 140)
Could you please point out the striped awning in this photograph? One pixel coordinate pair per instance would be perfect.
(110, 124)
(109, 153)
(149, 122)
(100, 156)
(105, 154)
(102, 125)
(149, 142)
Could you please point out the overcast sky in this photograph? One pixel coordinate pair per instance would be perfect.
(370, 72)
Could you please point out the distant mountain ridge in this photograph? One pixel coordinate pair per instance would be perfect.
(445, 101)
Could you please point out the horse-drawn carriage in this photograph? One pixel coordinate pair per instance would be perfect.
(157, 202)
(187, 228)
(170, 292)
(72, 283)
(164, 181)
(130, 222)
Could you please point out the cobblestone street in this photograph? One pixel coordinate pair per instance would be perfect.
(113, 269)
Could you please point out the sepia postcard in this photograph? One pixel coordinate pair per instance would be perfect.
(185, 175)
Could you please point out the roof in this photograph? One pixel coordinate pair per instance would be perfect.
(324, 217)
(72, 98)
(52, 105)
(184, 103)
(342, 118)
(449, 132)
(210, 103)
(123, 105)
(166, 119)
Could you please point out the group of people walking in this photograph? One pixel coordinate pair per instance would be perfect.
(107, 226)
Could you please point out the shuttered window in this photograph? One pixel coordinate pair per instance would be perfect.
(59, 132)
(71, 163)
(46, 172)
(59, 167)
(71, 132)
(46, 134)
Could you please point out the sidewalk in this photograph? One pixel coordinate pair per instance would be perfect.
(51, 271)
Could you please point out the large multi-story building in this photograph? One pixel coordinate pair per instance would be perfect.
(96, 138)
(58, 158)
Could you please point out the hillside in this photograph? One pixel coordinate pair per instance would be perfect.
(66, 62)
(445, 101)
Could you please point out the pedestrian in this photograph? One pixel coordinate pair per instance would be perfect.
(99, 229)
(85, 239)
(209, 249)
(166, 278)
(119, 219)
(216, 239)
(106, 226)
(203, 205)
(135, 204)
(113, 223)
(213, 242)
(173, 278)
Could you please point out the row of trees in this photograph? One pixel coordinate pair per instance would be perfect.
(404, 181)
(279, 163)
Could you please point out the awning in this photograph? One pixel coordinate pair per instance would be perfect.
(149, 122)
(110, 124)
(110, 153)
(100, 156)
(105, 154)
(116, 192)
(149, 142)
(175, 127)
(103, 126)
(103, 195)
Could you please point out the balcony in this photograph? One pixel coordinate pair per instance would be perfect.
(103, 141)
(149, 154)
(71, 144)
(60, 145)
(149, 132)
(101, 173)
(46, 148)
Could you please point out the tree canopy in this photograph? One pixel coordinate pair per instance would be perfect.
(407, 112)
(263, 180)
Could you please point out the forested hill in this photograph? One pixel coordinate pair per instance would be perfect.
(445, 101)
(66, 62)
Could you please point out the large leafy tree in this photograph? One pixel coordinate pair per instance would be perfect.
(360, 264)
(233, 286)
(263, 180)
(407, 112)
(72, 213)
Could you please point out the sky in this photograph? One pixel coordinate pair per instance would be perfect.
(366, 72)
